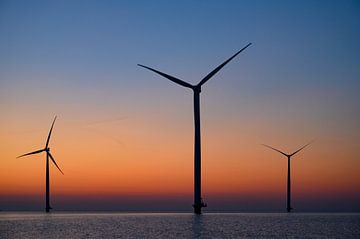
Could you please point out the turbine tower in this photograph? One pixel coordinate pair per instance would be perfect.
(288, 201)
(48, 155)
(198, 202)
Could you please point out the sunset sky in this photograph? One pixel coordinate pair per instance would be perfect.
(124, 135)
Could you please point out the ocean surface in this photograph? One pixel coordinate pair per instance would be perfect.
(179, 225)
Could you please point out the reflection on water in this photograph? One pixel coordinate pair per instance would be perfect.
(197, 225)
(178, 225)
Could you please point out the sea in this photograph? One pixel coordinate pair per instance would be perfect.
(178, 225)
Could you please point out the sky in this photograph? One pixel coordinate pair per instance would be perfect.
(124, 135)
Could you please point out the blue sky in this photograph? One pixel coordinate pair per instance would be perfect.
(295, 43)
(305, 51)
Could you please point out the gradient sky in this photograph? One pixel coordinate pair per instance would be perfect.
(124, 136)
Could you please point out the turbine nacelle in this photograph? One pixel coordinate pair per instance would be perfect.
(46, 149)
(195, 88)
(288, 155)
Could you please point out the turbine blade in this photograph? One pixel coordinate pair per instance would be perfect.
(35, 152)
(211, 74)
(301, 148)
(173, 79)
(53, 160)
(48, 138)
(275, 150)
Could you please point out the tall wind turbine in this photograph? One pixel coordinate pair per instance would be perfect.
(198, 202)
(288, 207)
(48, 155)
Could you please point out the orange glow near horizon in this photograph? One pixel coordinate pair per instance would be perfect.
(150, 163)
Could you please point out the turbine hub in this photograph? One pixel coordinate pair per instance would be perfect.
(197, 88)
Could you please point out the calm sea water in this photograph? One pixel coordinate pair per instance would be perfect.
(179, 225)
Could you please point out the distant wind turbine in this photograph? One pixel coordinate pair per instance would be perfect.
(198, 202)
(288, 207)
(48, 155)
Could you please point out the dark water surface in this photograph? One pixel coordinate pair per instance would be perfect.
(179, 225)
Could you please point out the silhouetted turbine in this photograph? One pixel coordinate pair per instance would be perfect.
(288, 207)
(48, 155)
(198, 202)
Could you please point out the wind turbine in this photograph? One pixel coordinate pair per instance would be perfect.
(288, 207)
(48, 155)
(198, 202)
